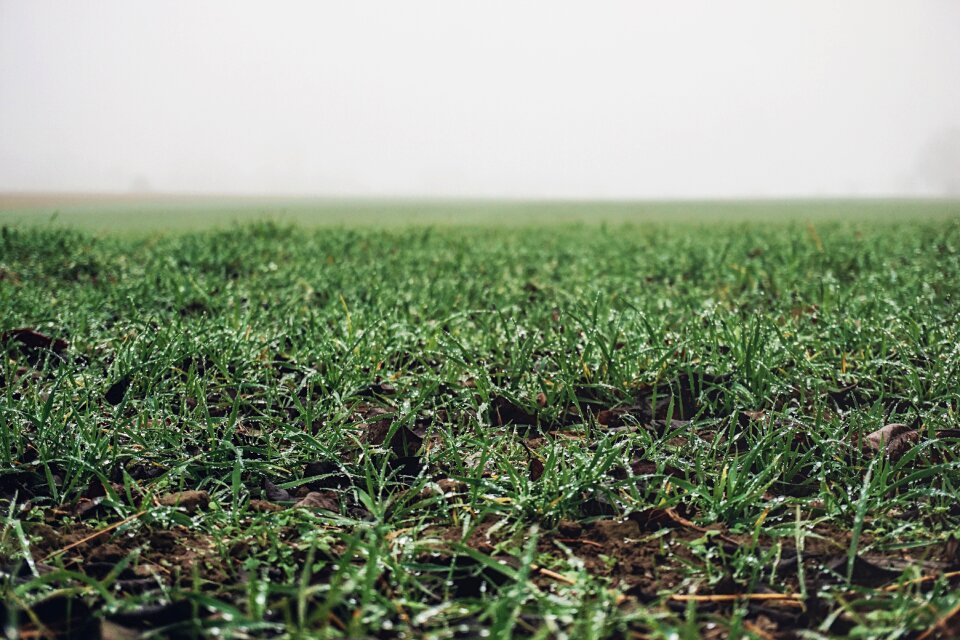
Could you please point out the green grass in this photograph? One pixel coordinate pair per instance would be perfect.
(539, 430)
(136, 215)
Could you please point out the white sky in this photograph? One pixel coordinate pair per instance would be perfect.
(494, 98)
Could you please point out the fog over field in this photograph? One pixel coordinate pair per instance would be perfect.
(625, 99)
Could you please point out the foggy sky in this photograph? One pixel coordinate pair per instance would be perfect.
(589, 99)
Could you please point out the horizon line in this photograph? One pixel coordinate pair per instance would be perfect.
(55, 197)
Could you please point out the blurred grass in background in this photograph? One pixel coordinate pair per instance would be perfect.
(134, 214)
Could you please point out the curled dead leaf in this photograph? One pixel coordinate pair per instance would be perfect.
(536, 468)
(893, 439)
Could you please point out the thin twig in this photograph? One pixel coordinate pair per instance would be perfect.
(336, 621)
(580, 541)
(683, 522)
(941, 623)
(553, 575)
(900, 585)
(733, 597)
(95, 535)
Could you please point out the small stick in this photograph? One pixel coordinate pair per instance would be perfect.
(336, 621)
(559, 577)
(683, 522)
(941, 623)
(732, 597)
(581, 541)
(94, 535)
(895, 587)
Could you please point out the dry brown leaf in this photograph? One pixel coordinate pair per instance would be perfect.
(893, 439)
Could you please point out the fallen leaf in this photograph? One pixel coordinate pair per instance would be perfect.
(62, 615)
(504, 411)
(894, 439)
(189, 500)
(377, 389)
(317, 500)
(326, 474)
(85, 505)
(865, 572)
(33, 339)
(536, 468)
(275, 493)
(116, 392)
(375, 426)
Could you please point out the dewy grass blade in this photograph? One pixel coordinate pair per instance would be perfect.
(859, 518)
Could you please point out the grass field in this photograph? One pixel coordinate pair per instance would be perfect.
(539, 429)
(139, 215)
